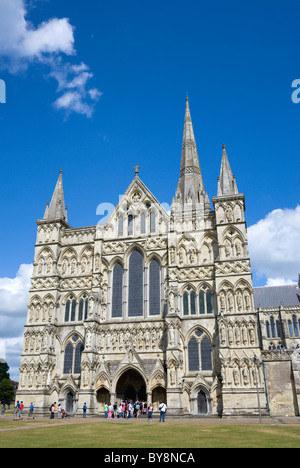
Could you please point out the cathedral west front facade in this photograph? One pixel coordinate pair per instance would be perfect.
(158, 306)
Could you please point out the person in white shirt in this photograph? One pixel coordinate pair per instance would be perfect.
(163, 409)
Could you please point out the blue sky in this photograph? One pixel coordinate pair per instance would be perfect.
(237, 62)
(136, 62)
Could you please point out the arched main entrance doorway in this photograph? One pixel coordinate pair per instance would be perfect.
(131, 386)
(103, 397)
(158, 397)
(70, 402)
(202, 403)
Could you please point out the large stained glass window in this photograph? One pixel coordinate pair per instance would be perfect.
(199, 352)
(136, 285)
(154, 288)
(117, 292)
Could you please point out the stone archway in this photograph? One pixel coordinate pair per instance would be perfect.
(202, 402)
(103, 396)
(158, 397)
(70, 402)
(131, 386)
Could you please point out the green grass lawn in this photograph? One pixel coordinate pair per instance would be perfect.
(106, 435)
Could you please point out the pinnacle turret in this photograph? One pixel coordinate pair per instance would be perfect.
(226, 182)
(56, 209)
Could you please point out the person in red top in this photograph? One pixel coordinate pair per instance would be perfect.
(21, 409)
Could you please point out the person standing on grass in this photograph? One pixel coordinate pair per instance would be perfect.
(52, 410)
(16, 410)
(105, 410)
(150, 412)
(30, 412)
(3, 409)
(21, 409)
(84, 410)
(137, 407)
(163, 409)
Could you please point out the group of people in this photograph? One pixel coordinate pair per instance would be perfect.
(61, 412)
(19, 408)
(128, 409)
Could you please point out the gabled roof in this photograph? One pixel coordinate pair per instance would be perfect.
(136, 194)
(274, 296)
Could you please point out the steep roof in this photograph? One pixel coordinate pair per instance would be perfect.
(274, 296)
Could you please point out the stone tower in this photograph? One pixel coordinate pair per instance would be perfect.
(150, 305)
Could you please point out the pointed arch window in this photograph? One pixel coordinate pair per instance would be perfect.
(185, 303)
(272, 322)
(130, 225)
(143, 223)
(73, 311)
(136, 285)
(83, 308)
(152, 221)
(70, 309)
(295, 326)
(67, 310)
(205, 349)
(273, 328)
(68, 362)
(77, 358)
(72, 357)
(117, 291)
(154, 288)
(205, 301)
(120, 225)
(268, 330)
(199, 352)
(193, 353)
(189, 302)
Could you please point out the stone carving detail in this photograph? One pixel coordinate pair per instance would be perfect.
(235, 299)
(118, 338)
(240, 373)
(237, 333)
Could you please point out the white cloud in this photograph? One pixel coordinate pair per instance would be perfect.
(14, 291)
(274, 246)
(56, 36)
(72, 80)
(22, 44)
(13, 312)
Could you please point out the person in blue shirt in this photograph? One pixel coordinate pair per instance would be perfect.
(31, 410)
(84, 410)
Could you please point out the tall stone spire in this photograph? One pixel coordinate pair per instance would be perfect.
(57, 209)
(226, 182)
(190, 186)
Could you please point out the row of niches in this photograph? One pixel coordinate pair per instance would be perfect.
(49, 233)
(113, 339)
(230, 212)
(241, 374)
(34, 375)
(39, 340)
(69, 263)
(237, 333)
(118, 339)
(187, 251)
(236, 299)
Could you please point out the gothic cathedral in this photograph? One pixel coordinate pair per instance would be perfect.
(157, 306)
